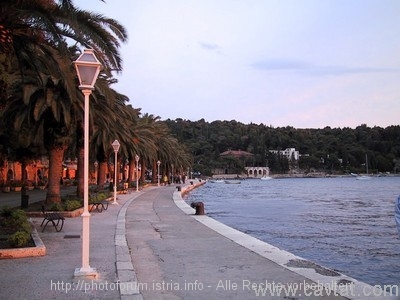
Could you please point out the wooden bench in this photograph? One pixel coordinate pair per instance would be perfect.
(99, 205)
(54, 218)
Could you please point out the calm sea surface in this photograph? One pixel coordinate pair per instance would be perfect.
(341, 223)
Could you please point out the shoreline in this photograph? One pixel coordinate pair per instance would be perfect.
(313, 271)
(301, 175)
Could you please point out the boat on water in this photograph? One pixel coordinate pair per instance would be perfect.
(364, 177)
(232, 181)
(216, 181)
(266, 178)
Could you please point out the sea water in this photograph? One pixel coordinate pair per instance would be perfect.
(342, 223)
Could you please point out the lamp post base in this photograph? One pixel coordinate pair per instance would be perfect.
(86, 272)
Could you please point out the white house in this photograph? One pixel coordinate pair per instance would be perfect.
(289, 153)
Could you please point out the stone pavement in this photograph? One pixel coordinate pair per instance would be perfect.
(52, 276)
(176, 257)
(151, 247)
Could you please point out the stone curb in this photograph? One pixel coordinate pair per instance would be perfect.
(128, 284)
(289, 261)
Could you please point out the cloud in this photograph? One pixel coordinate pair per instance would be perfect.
(210, 46)
(306, 67)
(281, 64)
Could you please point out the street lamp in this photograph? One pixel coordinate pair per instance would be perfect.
(158, 172)
(88, 68)
(137, 172)
(115, 146)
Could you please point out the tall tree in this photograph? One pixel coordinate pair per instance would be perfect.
(39, 29)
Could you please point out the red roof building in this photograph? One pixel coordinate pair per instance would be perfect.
(237, 153)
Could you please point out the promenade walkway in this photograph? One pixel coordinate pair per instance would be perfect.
(151, 247)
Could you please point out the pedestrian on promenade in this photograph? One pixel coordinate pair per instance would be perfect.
(165, 179)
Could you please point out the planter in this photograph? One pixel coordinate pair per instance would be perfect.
(6, 189)
(38, 250)
(41, 187)
(30, 188)
(16, 188)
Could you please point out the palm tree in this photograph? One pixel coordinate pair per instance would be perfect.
(36, 33)
(104, 113)
(163, 146)
(41, 108)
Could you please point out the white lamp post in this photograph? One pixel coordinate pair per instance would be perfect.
(115, 146)
(158, 172)
(88, 68)
(137, 172)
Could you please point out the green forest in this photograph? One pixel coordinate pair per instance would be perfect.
(330, 150)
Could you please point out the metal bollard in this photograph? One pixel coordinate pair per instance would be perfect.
(199, 206)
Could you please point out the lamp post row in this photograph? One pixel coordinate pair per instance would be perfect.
(88, 68)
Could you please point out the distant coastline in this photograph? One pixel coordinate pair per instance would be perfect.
(299, 175)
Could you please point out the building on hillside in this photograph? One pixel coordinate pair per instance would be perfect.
(232, 165)
(289, 153)
(237, 154)
(256, 172)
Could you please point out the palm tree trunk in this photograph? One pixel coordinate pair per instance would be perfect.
(80, 172)
(154, 173)
(101, 174)
(132, 168)
(23, 168)
(143, 172)
(56, 156)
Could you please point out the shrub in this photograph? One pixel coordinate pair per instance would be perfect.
(72, 204)
(15, 223)
(18, 220)
(57, 207)
(28, 183)
(16, 183)
(19, 239)
(6, 211)
(102, 196)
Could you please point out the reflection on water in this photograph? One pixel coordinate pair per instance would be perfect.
(342, 223)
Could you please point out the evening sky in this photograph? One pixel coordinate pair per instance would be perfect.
(300, 63)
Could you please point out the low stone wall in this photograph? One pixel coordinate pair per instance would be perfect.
(187, 188)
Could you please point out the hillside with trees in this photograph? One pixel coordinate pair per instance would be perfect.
(330, 150)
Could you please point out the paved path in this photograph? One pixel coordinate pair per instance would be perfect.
(176, 257)
(52, 276)
(151, 247)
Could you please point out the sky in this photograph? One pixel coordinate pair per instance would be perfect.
(299, 63)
